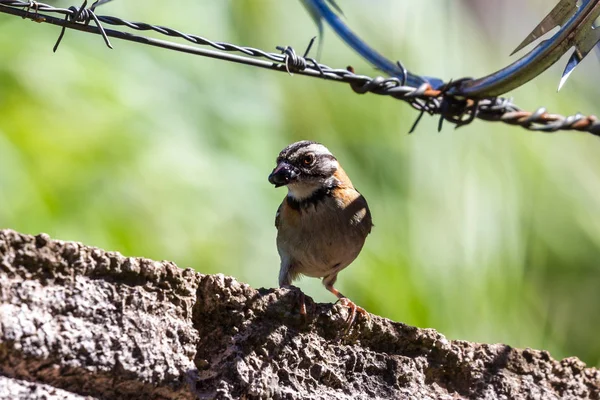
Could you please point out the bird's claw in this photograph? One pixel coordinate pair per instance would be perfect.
(300, 300)
(353, 309)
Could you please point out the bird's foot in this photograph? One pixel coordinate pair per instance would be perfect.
(353, 308)
(300, 300)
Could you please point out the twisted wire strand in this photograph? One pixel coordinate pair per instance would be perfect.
(456, 110)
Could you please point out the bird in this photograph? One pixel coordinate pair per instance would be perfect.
(322, 222)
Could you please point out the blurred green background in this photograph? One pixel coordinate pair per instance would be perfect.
(487, 233)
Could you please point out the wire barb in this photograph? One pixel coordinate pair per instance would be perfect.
(82, 15)
(35, 6)
(443, 100)
(403, 73)
(294, 63)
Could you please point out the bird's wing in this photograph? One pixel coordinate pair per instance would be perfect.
(277, 215)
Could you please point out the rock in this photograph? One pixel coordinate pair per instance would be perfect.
(80, 320)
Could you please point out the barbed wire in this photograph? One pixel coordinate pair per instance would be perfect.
(457, 110)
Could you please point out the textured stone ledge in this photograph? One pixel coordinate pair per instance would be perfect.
(81, 321)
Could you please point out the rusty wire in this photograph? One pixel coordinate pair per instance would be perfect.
(456, 110)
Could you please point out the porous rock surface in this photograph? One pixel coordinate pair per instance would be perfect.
(79, 322)
(16, 389)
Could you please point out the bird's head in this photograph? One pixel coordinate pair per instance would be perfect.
(304, 167)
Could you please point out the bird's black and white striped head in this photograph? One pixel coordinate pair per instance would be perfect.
(304, 167)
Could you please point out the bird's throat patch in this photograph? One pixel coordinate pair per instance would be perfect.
(313, 200)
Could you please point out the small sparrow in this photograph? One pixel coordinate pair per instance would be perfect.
(323, 221)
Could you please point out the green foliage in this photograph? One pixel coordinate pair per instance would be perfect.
(488, 233)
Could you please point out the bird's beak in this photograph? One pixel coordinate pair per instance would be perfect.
(283, 174)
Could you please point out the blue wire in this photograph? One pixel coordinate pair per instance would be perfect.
(362, 48)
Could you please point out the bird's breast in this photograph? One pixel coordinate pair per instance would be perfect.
(325, 235)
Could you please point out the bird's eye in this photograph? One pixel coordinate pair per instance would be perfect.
(308, 160)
